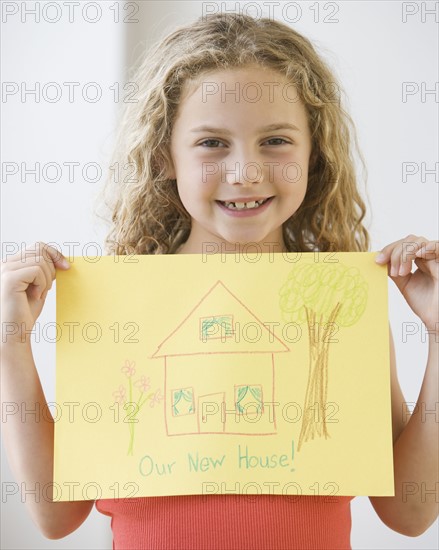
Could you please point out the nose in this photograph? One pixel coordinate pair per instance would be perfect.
(246, 173)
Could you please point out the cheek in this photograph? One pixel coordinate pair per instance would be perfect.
(302, 172)
(194, 194)
(184, 194)
(293, 179)
(198, 173)
(292, 170)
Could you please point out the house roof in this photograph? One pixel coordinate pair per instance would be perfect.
(220, 323)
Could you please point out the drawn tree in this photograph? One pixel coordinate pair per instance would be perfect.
(325, 297)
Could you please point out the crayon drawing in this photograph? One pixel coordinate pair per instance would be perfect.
(326, 296)
(205, 374)
(210, 388)
(127, 401)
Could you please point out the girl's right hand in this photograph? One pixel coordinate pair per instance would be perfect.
(26, 278)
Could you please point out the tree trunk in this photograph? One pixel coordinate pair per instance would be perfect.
(314, 410)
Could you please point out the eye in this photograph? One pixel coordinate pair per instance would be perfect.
(278, 139)
(206, 141)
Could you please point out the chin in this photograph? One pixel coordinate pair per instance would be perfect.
(247, 241)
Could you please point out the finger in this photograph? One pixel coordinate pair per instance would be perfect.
(40, 248)
(46, 266)
(430, 268)
(429, 251)
(422, 266)
(400, 254)
(407, 254)
(20, 281)
(40, 253)
(54, 256)
(29, 251)
(384, 254)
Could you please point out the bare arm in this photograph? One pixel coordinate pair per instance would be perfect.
(415, 505)
(29, 441)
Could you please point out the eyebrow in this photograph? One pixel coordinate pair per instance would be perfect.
(269, 128)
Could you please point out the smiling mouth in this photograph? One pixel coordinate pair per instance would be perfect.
(251, 205)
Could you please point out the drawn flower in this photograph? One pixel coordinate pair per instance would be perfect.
(156, 398)
(143, 384)
(135, 395)
(129, 368)
(120, 395)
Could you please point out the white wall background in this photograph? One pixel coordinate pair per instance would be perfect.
(60, 211)
(372, 50)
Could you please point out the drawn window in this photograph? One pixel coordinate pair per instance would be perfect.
(183, 401)
(217, 326)
(248, 397)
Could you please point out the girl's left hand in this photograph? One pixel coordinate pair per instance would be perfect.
(420, 289)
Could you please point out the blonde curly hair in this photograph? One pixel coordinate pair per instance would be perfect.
(146, 212)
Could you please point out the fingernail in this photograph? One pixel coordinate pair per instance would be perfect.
(65, 263)
(393, 271)
(379, 257)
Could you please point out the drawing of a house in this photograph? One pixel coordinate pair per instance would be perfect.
(219, 369)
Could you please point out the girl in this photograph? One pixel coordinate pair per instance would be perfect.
(238, 137)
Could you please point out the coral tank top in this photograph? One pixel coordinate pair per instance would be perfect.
(229, 522)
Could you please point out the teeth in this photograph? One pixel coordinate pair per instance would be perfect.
(243, 205)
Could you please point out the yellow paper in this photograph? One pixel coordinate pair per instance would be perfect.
(224, 373)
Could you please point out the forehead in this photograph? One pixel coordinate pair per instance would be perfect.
(246, 95)
(250, 83)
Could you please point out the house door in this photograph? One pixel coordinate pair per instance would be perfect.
(211, 418)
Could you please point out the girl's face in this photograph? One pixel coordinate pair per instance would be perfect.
(240, 148)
